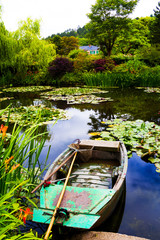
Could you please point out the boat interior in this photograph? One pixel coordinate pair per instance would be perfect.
(96, 166)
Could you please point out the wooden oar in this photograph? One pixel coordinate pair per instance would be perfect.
(53, 172)
(60, 199)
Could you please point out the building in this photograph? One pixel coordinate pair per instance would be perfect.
(90, 49)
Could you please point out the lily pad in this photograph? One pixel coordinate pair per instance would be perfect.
(75, 95)
(150, 89)
(138, 136)
(27, 89)
(6, 98)
(39, 114)
(73, 91)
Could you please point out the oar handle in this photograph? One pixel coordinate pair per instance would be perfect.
(53, 172)
(60, 199)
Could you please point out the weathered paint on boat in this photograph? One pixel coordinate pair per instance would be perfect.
(84, 207)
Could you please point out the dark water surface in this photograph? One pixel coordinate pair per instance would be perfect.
(138, 212)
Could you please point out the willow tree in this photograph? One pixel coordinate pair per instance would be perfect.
(33, 54)
(108, 18)
(7, 52)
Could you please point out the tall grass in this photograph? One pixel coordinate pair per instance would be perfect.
(146, 78)
(19, 173)
(9, 221)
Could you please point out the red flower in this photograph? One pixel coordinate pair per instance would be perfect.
(26, 213)
(3, 129)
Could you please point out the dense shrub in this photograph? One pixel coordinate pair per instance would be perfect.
(132, 66)
(101, 65)
(121, 58)
(84, 62)
(151, 56)
(71, 79)
(60, 66)
(74, 53)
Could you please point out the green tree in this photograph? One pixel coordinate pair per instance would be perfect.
(64, 44)
(108, 18)
(84, 41)
(68, 44)
(8, 47)
(57, 40)
(33, 54)
(155, 26)
(137, 36)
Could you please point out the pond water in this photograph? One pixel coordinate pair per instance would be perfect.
(138, 212)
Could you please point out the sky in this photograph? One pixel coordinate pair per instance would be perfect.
(59, 15)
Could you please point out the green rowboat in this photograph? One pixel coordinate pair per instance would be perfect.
(94, 187)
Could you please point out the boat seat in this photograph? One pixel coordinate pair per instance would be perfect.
(94, 176)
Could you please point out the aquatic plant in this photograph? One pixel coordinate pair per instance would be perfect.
(27, 89)
(40, 114)
(150, 89)
(73, 91)
(76, 95)
(138, 136)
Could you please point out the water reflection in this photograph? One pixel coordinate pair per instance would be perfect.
(141, 216)
(138, 211)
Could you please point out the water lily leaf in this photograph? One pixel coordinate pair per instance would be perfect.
(34, 114)
(6, 98)
(139, 136)
(27, 89)
(94, 133)
(76, 95)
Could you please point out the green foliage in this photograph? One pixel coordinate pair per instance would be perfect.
(27, 89)
(20, 170)
(122, 58)
(155, 26)
(74, 53)
(107, 21)
(23, 51)
(84, 41)
(138, 136)
(9, 221)
(8, 47)
(76, 95)
(39, 114)
(68, 44)
(135, 37)
(84, 62)
(80, 33)
(150, 55)
(132, 66)
(124, 78)
(71, 79)
(64, 44)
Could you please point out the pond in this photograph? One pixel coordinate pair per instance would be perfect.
(138, 212)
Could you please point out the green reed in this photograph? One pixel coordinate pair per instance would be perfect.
(20, 171)
(146, 78)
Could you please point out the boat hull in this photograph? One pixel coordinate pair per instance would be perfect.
(84, 207)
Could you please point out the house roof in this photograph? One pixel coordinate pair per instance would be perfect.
(89, 48)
